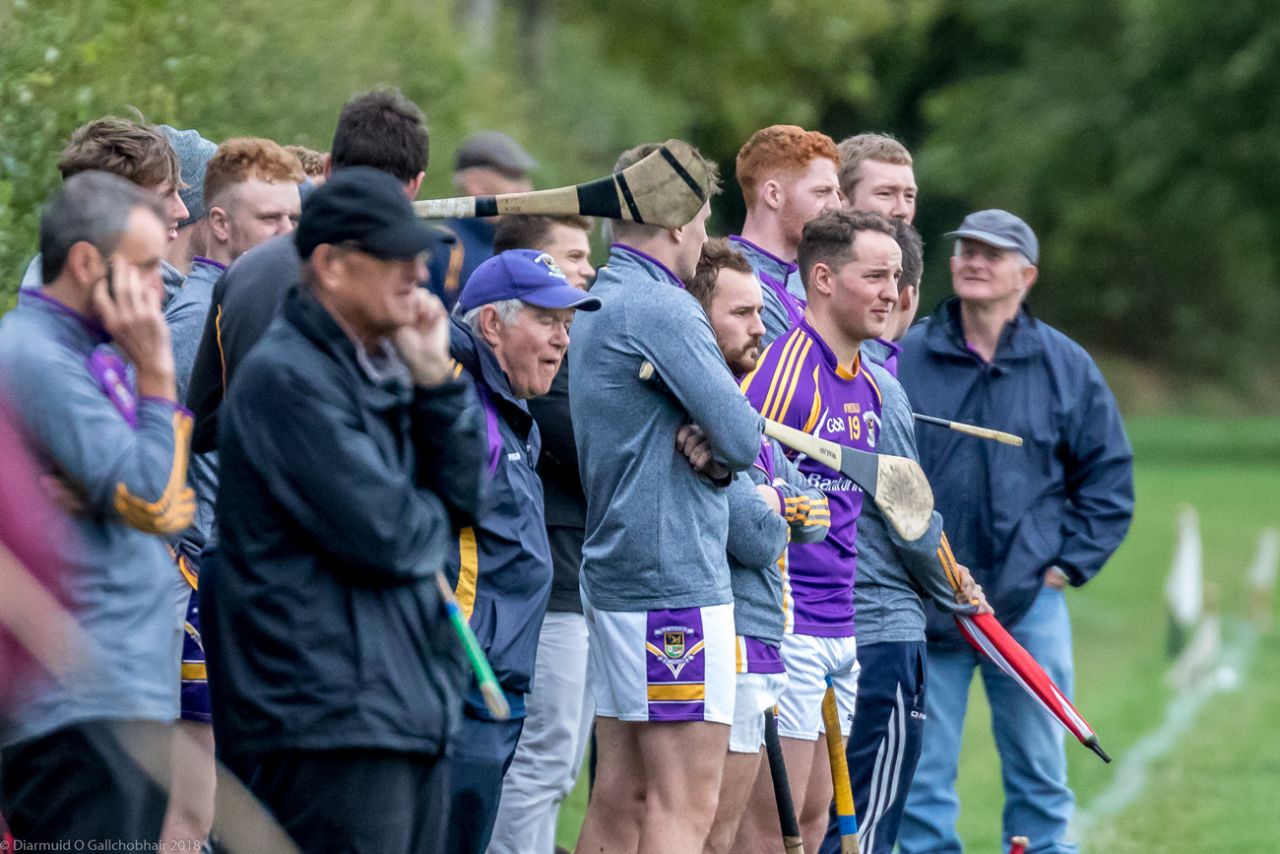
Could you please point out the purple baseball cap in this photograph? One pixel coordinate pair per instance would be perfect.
(527, 275)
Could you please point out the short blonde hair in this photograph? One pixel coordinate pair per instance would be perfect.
(867, 146)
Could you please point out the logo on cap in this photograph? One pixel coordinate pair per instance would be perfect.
(553, 269)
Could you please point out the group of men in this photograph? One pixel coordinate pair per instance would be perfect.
(274, 426)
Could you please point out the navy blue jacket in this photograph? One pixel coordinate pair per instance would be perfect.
(341, 491)
(501, 566)
(1064, 498)
(452, 264)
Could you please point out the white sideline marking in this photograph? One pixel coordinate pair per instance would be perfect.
(1179, 717)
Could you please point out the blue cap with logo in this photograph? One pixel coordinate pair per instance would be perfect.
(1002, 230)
(527, 275)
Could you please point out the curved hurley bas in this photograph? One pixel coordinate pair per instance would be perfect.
(896, 484)
(666, 188)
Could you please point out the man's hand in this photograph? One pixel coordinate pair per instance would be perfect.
(64, 494)
(770, 496)
(136, 323)
(970, 592)
(694, 444)
(424, 343)
(1054, 577)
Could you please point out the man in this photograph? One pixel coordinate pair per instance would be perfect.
(894, 577)
(488, 163)
(382, 129)
(769, 506)
(251, 192)
(512, 332)
(348, 457)
(1027, 520)
(193, 152)
(120, 445)
(788, 177)
(655, 579)
(139, 153)
(813, 379)
(876, 175)
(558, 709)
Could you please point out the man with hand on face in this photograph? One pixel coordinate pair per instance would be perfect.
(121, 447)
(769, 505)
(509, 339)
(1028, 520)
(876, 175)
(813, 379)
(558, 710)
(788, 177)
(655, 578)
(349, 457)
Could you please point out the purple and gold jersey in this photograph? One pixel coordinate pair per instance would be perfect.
(799, 383)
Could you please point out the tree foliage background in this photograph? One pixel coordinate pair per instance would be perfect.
(1140, 138)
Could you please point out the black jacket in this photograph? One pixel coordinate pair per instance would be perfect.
(338, 501)
(502, 565)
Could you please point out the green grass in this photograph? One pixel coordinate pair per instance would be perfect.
(1218, 791)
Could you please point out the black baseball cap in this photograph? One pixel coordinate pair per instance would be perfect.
(367, 207)
(1002, 230)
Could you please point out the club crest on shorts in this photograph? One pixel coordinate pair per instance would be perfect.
(675, 652)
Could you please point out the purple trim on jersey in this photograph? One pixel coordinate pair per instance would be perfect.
(762, 657)
(93, 327)
(675, 280)
(675, 655)
(108, 370)
(783, 387)
(790, 304)
(890, 362)
(493, 431)
(200, 259)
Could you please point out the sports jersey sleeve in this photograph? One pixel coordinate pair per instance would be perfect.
(783, 387)
(805, 508)
(928, 560)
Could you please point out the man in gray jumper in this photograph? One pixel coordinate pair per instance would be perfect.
(656, 458)
(769, 505)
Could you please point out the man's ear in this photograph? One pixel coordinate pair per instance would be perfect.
(327, 168)
(324, 258)
(907, 298)
(411, 189)
(820, 276)
(771, 194)
(219, 224)
(85, 263)
(490, 325)
(1029, 275)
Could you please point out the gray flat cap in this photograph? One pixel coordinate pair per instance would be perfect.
(495, 150)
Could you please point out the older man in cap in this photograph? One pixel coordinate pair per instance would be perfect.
(488, 163)
(510, 335)
(350, 456)
(1027, 521)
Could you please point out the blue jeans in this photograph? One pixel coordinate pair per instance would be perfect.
(1033, 760)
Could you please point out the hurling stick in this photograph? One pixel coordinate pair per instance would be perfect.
(791, 839)
(846, 818)
(896, 484)
(494, 699)
(972, 430)
(666, 188)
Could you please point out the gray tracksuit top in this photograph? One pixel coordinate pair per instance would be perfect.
(656, 530)
(758, 540)
(894, 574)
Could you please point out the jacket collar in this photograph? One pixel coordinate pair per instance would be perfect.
(382, 379)
(621, 255)
(80, 325)
(763, 259)
(1018, 339)
(476, 356)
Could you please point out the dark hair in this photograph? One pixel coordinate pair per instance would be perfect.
(531, 232)
(92, 207)
(912, 253)
(828, 239)
(717, 254)
(382, 129)
(136, 152)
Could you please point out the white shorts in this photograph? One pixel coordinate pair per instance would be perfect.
(756, 693)
(672, 664)
(810, 660)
